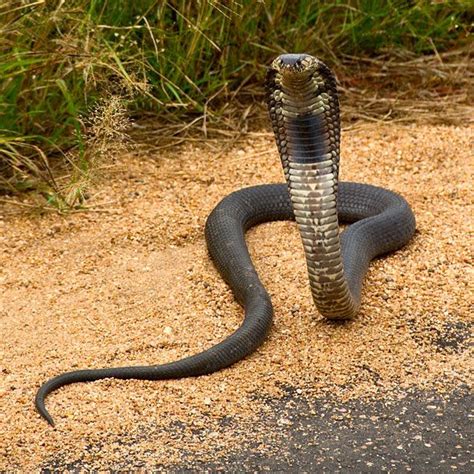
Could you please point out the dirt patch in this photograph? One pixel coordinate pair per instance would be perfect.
(131, 283)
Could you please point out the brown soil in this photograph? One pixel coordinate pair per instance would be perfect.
(131, 283)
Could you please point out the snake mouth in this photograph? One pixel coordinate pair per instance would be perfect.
(295, 64)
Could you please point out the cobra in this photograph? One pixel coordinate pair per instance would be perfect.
(304, 110)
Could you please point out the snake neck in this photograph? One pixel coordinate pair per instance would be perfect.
(304, 110)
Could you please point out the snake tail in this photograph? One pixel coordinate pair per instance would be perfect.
(225, 236)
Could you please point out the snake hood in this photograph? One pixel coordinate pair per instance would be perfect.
(304, 109)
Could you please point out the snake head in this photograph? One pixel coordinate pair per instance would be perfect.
(295, 64)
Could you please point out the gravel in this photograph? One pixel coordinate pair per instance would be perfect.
(130, 282)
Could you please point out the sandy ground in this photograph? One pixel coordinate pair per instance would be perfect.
(131, 283)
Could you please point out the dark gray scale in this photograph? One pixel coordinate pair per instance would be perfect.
(307, 147)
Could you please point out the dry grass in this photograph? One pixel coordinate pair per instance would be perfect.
(430, 89)
(404, 88)
(203, 63)
(408, 88)
(105, 137)
(64, 186)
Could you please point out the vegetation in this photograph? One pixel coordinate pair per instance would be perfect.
(63, 61)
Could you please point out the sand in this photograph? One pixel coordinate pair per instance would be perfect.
(130, 282)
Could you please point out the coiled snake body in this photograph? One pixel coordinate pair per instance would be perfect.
(304, 110)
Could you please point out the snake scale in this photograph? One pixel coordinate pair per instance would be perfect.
(304, 110)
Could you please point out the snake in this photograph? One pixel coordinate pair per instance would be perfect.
(303, 106)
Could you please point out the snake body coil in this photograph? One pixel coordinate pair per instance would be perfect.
(304, 111)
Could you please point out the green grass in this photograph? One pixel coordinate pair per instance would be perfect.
(170, 57)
